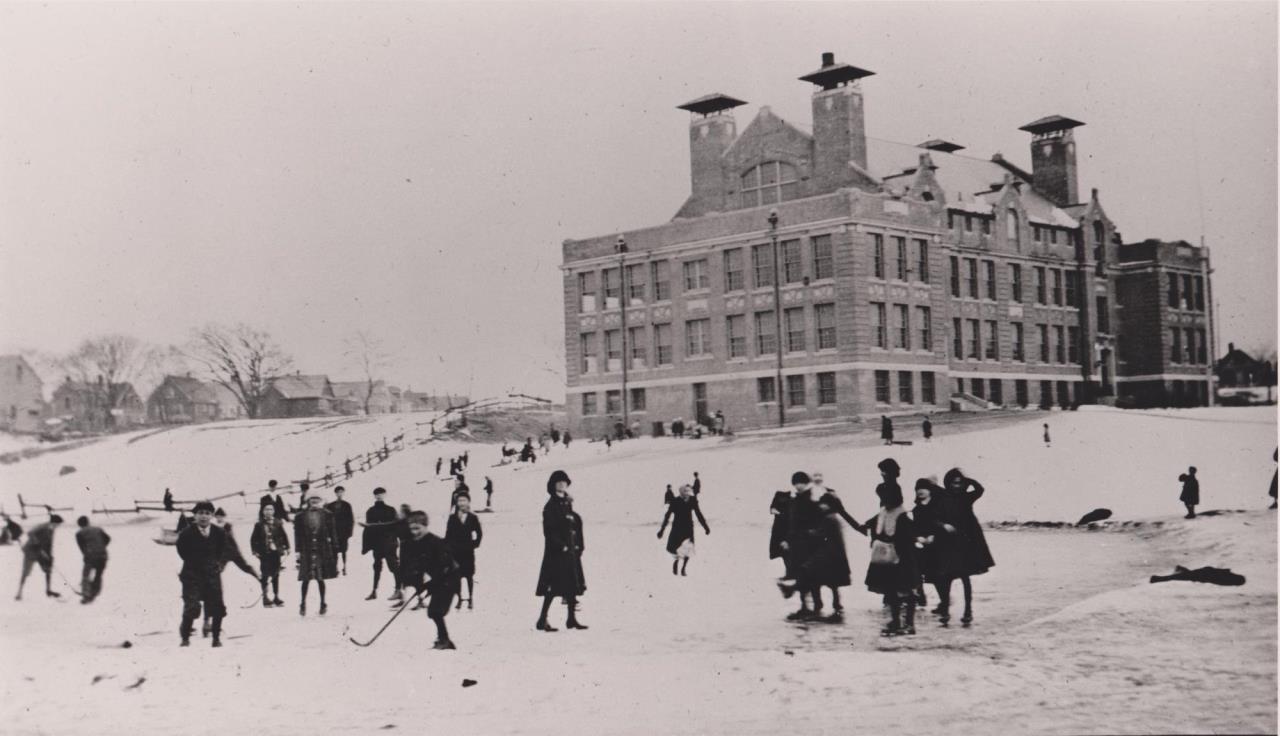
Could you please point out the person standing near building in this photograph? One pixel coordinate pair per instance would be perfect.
(567, 439)
(680, 512)
(427, 565)
(561, 574)
(315, 543)
(344, 523)
(886, 429)
(1190, 492)
(38, 549)
(439, 462)
(926, 428)
(1046, 434)
(93, 543)
(269, 544)
(379, 537)
(202, 548)
(463, 535)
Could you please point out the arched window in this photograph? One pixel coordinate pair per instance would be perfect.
(768, 183)
(1013, 230)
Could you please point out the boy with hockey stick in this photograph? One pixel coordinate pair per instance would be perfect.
(425, 564)
(38, 549)
(201, 546)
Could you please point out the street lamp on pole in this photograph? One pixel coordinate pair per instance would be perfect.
(777, 313)
(621, 248)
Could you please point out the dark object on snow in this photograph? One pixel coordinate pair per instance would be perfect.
(127, 644)
(67, 470)
(468, 682)
(137, 684)
(1215, 575)
(1095, 515)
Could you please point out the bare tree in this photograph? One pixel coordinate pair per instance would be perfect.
(241, 359)
(107, 366)
(366, 351)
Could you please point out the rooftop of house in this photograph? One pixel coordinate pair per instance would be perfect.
(300, 386)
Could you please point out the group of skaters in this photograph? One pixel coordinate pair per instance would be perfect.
(38, 550)
(937, 542)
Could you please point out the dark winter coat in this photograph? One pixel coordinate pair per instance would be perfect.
(463, 537)
(1190, 490)
(39, 541)
(781, 503)
(563, 545)
(829, 563)
(975, 556)
(905, 575)
(93, 543)
(886, 429)
(927, 428)
(316, 542)
(344, 519)
(803, 537)
(258, 539)
(427, 564)
(201, 573)
(943, 558)
(380, 535)
(680, 513)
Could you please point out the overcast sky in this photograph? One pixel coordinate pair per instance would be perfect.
(315, 169)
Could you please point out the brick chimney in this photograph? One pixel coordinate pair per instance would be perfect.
(839, 132)
(712, 129)
(1053, 158)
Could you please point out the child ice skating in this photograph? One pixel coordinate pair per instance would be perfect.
(463, 535)
(427, 566)
(680, 512)
(269, 544)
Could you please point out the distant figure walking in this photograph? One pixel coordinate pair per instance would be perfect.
(567, 439)
(1046, 435)
(488, 493)
(886, 430)
(697, 483)
(1190, 491)
(926, 427)
(93, 545)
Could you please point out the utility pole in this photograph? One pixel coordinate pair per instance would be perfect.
(1205, 272)
(777, 313)
(626, 358)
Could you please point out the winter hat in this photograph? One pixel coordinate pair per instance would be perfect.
(556, 477)
(952, 474)
(220, 512)
(271, 484)
(202, 506)
(889, 466)
(379, 491)
(890, 495)
(55, 519)
(799, 477)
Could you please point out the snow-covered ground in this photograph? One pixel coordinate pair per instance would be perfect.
(1069, 637)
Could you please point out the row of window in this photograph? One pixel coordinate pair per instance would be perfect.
(980, 340)
(1190, 296)
(1196, 346)
(906, 387)
(1050, 285)
(906, 264)
(992, 389)
(1045, 234)
(797, 335)
(900, 331)
(644, 282)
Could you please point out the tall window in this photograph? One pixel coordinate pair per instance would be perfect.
(877, 255)
(734, 279)
(587, 291)
(927, 394)
(661, 272)
(901, 327)
(613, 350)
(991, 279)
(924, 322)
(1020, 392)
(1073, 345)
(878, 324)
(794, 319)
(1019, 345)
(906, 392)
(795, 390)
(1057, 287)
(957, 339)
(697, 337)
(971, 270)
(695, 275)
(1072, 294)
(766, 336)
(900, 247)
(635, 283)
(1042, 292)
(792, 265)
(1191, 346)
(587, 349)
(766, 390)
(986, 224)
(768, 183)
(955, 276)
(762, 264)
(826, 389)
(1059, 344)
(1015, 277)
(1175, 353)
(1104, 319)
(1044, 342)
(922, 261)
(637, 343)
(882, 387)
(735, 329)
(1186, 291)
(1173, 290)
(612, 288)
(1200, 293)
(1014, 231)
(968, 223)
(612, 402)
(1204, 348)
(824, 320)
(588, 404)
(975, 340)
(662, 343)
(993, 340)
(637, 399)
(823, 263)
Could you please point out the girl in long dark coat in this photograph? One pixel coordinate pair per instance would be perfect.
(941, 558)
(975, 556)
(269, 543)
(462, 535)
(893, 570)
(886, 430)
(1190, 492)
(315, 539)
(804, 541)
(561, 574)
(680, 512)
(833, 535)
(780, 508)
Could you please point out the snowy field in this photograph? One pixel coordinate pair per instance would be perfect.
(1069, 637)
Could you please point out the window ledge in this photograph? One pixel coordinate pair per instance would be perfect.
(695, 358)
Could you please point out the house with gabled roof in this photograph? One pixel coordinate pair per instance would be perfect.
(22, 406)
(298, 395)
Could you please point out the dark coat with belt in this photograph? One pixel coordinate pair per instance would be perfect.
(680, 513)
(904, 576)
(563, 545)
(1190, 490)
(975, 555)
(462, 538)
(382, 537)
(201, 573)
(316, 542)
(781, 506)
(344, 519)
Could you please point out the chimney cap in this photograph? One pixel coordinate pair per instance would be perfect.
(937, 144)
(712, 103)
(832, 74)
(1050, 124)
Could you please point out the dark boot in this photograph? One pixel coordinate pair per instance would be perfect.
(910, 628)
(372, 595)
(542, 625)
(217, 632)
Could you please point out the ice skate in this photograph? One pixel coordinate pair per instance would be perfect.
(371, 596)
(217, 641)
(277, 602)
(324, 608)
(443, 644)
(542, 625)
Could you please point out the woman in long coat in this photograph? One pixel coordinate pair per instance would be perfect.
(462, 535)
(561, 574)
(780, 508)
(680, 512)
(975, 555)
(829, 564)
(893, 571)
(941, 559)
(315, 540)
(1190, 492)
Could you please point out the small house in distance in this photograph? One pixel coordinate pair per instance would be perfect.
(98, 406)
(355, 397)
(188, 400)
(298, 396)
(22, 406)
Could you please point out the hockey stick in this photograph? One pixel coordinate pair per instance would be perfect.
(395, 615)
